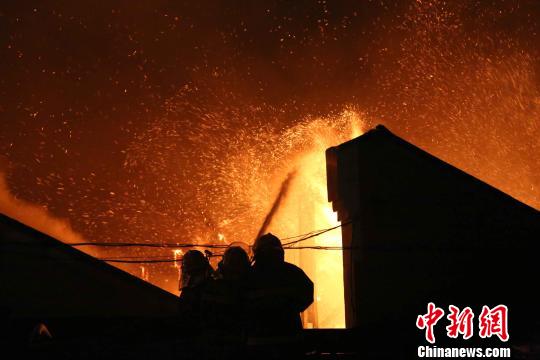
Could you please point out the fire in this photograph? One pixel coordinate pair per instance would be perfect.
(144, 273)
(311, 209)
(177, 255)
(251, 179)
(305, 209)
(208, 165)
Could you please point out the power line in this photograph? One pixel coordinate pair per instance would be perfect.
(155, 258)
(319, 248)
(314, 234)
(140, 261)
(302, 237)
(162, 259)
(155, 245)
(145, 260)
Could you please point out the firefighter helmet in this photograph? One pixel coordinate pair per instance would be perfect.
(268, 246)
(194, 261)
(235, 263)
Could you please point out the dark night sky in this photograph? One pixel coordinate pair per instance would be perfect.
(91, 94)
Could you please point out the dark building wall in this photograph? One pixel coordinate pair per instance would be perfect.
(421, 231)
(43, 278)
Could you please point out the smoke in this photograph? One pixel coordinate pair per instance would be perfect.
(35, 216)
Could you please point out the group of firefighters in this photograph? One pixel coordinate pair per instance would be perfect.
(246, 308)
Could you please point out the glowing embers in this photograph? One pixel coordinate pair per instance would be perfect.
(144, 273)
(177, 254)
(306, 208)
(240, 189)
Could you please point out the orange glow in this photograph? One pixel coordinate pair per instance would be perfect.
(306, 208)
(144, 273)
(256, 176)
(189, 138)
(177, 254)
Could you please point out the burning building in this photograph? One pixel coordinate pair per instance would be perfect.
(418, 230)
(414, 230)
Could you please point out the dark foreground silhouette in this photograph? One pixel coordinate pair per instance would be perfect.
(244, 310)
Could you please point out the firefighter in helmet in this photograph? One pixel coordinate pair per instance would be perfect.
(196, 272)
(277, 293)
(224, 317)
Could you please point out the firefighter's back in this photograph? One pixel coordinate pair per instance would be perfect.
(277, 292)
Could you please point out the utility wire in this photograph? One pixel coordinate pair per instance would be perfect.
(312, 234)
(167, 260)
(162, 259)
(139, 261)
(146, 260)
(302, 237)
(156, 245)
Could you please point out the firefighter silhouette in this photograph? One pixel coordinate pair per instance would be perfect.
(277, 292)
(196, 272)
(223, 306)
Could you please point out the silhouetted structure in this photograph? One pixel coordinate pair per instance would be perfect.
(422, 230)
(43, 277)
(77, 297)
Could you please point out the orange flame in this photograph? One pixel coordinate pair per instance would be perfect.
(305, 209)
(177, 255)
